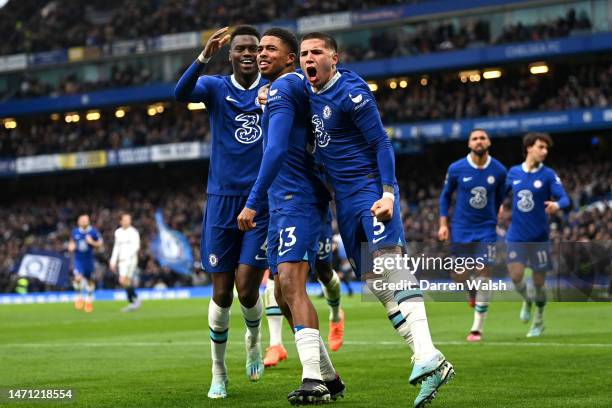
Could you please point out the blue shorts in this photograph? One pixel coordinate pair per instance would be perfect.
(326, 236)
(357, 225)
(535, 255)
(475, 245)
(223, 245)
(293, 234)
(84, 268)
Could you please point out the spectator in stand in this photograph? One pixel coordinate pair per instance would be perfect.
(444, 97)
(44, 221)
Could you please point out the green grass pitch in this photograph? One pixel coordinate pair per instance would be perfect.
(160, 357)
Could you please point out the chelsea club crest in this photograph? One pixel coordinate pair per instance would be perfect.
(327, 112)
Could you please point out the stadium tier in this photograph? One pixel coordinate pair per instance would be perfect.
(40, 217)
(450, 162)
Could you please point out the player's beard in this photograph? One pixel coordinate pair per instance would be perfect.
(481, 152)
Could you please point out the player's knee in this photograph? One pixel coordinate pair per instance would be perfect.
(223, 297)
(248, 298)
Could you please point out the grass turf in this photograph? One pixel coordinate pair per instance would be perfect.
(159, 357)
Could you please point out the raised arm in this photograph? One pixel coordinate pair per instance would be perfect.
(189, 88)
(367, 119)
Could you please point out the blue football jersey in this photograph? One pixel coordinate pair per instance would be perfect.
(288, 171)
(479, 193)
(84, 251)
(529, 192)
(235, 123)
(350, 139)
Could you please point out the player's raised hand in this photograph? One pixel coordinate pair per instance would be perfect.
(443, 233)
(382, 209)
(214, 44)
(551, 207)
(245, 219)
(262, 94)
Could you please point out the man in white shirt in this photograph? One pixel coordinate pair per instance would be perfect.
(125, 259)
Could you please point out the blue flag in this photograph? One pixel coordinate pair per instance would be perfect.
(171, 248)
(49, 267)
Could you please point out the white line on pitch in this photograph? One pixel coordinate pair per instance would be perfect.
(349, 342)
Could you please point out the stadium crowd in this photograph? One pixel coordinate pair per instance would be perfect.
(36, 26)
(427, 37)
(136, 129)
(44, 220)
(392, 42)
(444, 97)
(119, 76)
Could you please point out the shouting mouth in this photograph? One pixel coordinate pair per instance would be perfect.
(311, 73)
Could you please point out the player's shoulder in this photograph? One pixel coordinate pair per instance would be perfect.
(551, 173)
(516, 168)
(515, 171)
(291, 81)
(74, 231)
(353, 92)
(348, 77)
(214, 80)
(458, 164)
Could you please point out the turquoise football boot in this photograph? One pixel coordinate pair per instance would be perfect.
(430, 385)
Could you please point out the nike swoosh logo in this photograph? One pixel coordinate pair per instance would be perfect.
(229, 98)
(356, 99)
(467, 178)
(515, 182)
(375, 240)
(281, 253)
(273, 92)
(259, 258)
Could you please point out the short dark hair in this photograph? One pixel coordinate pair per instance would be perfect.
(244, 30)
(530, 138)
(479, 130)
(286, 36)
(330, 42)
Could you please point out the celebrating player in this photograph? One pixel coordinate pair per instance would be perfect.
(83, 240)
(534, 188)
(330, 284)
(230, 255)
(298, 203)
(480, 182)
(359, 160)
(124, 259)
